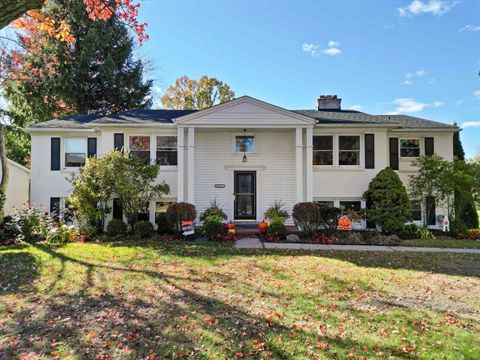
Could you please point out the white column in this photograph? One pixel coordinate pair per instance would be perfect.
(309, 165)
(191, 165)
(299, 162)
(180, 164)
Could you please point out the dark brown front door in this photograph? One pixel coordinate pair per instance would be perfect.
(245, 195)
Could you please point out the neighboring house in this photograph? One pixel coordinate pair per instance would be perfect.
(18, 187)
(245, 154)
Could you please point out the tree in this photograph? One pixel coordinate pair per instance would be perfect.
(11, 10)
(93, 188)
(135, 184)
(457, 145)
(103, 10)
(96, 73)
(465, 210)
(189, 94)
(389, 205)
(115, 175)
(445, 180)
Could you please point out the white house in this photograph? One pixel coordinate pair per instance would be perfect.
(18, 187)
(245, 153)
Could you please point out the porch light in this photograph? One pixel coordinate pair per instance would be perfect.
(244, 159)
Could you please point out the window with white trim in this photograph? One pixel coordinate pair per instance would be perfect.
(416, 211)
(323, 150)
(139, 147)
(245, 144)
(75, 152)
(409, 148)
(166, 150)
(349, 150)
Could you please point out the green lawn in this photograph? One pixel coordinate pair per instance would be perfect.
(204, 301)
(443, 242)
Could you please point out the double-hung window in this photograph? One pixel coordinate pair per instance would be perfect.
(139, 147)
(323, 150)
(75, 152)
(166, 150)
(349, 150)
(409, 148)
(416, 211)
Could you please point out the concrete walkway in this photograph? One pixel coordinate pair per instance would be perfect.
(254, 243)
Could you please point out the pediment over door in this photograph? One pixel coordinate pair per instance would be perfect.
(245, 112)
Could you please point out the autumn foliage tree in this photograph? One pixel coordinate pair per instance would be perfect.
(189, 94)
(88, 67)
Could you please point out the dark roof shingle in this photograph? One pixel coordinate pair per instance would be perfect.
(166, 117)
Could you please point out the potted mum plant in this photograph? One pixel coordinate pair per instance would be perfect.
(276, 212)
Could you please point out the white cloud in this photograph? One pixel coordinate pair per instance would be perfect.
(310, 48)
(331, 51)
(333, 44)
(356, 107)
(314, 49)
(410, 75)
(471, 28)
(409, 105)
(470, 124)
(420, 72)
(476, 93)
(433, 7)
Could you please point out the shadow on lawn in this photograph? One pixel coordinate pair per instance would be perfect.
(168, 319)
(18, 270)
(441, 263)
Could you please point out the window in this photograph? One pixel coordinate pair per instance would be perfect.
(245, 144)
(323, 150)
(139, 147)
(166, 150)
(409, 147)
(75, 152)
(348, 206)
(161, 208)
(349, 150)
(144, 214)
(416, 211)
(326, 203)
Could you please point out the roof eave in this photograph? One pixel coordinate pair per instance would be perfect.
(59, 129)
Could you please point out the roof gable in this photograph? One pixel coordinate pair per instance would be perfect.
(245, 111)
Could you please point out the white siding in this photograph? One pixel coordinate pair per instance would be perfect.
(274, 162)
(17, 195)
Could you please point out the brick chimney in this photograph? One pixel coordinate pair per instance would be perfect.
(329, 102)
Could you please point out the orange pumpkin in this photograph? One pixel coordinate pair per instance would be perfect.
(230, 225)
(263, 226)
(344, 223)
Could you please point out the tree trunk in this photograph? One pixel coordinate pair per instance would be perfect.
(4, 178)
(12, 9)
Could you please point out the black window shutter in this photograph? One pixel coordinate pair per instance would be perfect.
(118, 141)
(394, 153)
(430, 205)
(429, 146)
(55, 206)
(369, 151)
(117, 209)
(92, 147)
(55, 153)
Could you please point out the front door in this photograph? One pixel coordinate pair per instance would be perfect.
(245, 195)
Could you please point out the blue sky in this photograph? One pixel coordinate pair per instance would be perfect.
(419, 58)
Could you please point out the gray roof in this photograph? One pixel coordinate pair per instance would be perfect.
(166, 117)
(357, 117)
